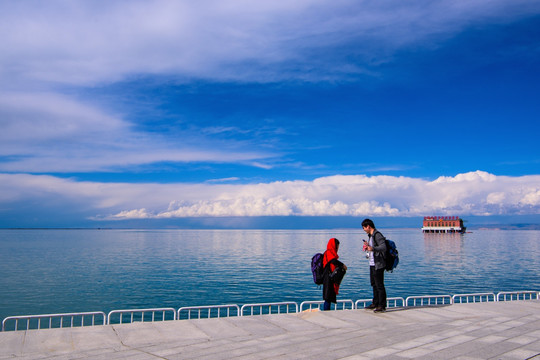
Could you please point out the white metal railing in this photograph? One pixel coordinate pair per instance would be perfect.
(313, 304)
(340, 305)
(47, 321)
(467, 298)
(429, 300)
(209, 311)
(517, 295)
(390, 303)
(393, 302)
(269, 308)
(362, 303)
(142, 315)
(55, 320)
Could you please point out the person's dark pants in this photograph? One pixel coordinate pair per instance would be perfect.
(327, 305)
(376, 278)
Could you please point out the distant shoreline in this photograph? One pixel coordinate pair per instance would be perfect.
(478, 227)
(471, 222)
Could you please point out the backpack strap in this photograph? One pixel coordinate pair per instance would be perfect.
(373, 237)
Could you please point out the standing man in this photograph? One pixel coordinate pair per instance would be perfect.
(376, 247)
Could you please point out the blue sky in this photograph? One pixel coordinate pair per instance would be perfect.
(131, 113)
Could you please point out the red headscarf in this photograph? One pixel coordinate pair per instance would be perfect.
(329, 255)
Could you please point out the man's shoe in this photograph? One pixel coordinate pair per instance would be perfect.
(379, 309)
(370, 307)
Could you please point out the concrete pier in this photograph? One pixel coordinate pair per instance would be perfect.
(494, 330)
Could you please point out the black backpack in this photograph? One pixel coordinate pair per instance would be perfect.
(392, 255)
(337, 275)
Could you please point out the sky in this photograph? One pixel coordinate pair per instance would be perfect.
(220, 113)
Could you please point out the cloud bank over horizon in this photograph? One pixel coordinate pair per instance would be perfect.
(473, 193)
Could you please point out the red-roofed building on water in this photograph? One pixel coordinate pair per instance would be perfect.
(443, 224)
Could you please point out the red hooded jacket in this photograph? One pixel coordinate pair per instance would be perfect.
(329, 255)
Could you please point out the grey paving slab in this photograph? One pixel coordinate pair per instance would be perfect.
(494, 350)
(104, 336)
(293, 323)
(220, 329)
(159, 332)
(11, 343)
(325, 319)
(509, 330)
(48, 341)
(199, 349)
(257, 325)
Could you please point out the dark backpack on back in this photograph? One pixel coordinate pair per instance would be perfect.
(392, 256)
(317, 268)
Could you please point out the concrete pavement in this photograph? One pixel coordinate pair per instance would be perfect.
(494, 330)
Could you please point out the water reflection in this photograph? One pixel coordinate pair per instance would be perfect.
(437, 244)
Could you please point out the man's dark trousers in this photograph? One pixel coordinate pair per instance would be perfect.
(376, 278)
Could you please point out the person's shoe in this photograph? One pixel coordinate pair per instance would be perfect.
(370, 307)
(379, 309)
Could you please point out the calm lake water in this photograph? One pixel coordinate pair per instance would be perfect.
(54, 271)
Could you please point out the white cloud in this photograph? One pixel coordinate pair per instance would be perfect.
(475, 193)
(495, 198)
(86, 42)
(48, 45)
(45, 132)
(531, 198)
